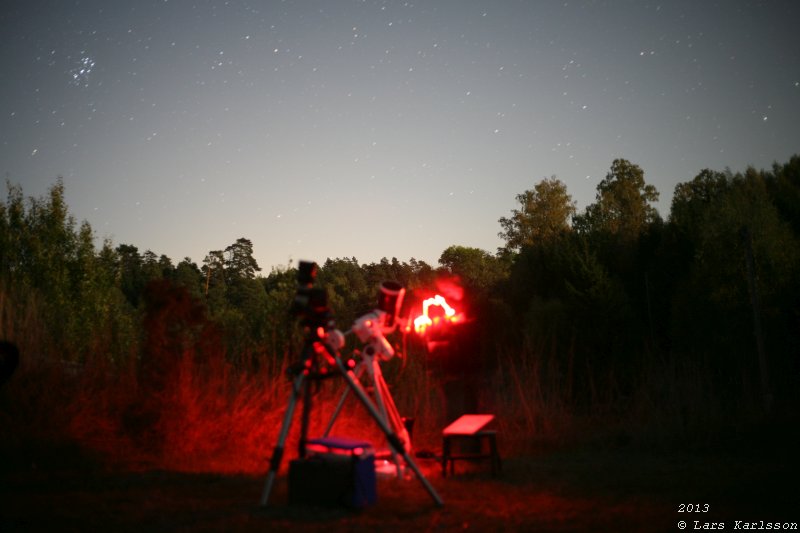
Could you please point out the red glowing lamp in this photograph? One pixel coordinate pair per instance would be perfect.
(425, 320)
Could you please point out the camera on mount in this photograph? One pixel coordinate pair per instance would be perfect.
(311, 303)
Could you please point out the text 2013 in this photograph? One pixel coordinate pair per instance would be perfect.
(693, 508)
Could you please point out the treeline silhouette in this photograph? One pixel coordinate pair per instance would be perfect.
(608, 309)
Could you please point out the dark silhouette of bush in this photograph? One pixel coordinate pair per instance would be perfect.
(9, 359)
(176, 330)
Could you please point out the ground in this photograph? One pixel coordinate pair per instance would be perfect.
(49, 488)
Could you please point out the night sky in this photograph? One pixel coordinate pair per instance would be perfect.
(372, 129)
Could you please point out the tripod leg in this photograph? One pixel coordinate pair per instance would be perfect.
(393, 439)
(395, 420)
(304, 420)
(277, 454)
(359, 371)
(378, 384)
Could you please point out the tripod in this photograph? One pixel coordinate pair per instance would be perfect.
(383, 398)
(314, 347)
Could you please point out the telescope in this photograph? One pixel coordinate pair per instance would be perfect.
(373, 327)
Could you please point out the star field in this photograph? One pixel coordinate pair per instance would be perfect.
(372, 129)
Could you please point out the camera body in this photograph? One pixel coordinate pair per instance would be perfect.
(310, 303)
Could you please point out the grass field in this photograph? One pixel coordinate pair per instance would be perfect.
(66, 488)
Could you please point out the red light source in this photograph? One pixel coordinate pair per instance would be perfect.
(425, 321)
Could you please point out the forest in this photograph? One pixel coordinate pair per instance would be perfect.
(609, 323)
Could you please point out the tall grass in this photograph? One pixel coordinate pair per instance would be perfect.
(208, 415)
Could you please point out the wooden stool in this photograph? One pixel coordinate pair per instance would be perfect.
(470, 428)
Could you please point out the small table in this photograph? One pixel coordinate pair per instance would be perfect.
(470, 428)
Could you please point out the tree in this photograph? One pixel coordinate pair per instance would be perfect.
(720, 249)
(280, 288)
(214, 271)
(49, 261)
(152, 266)
(784, 189)
(189, 276)
(50, 241)
(478, 269)
(544, 213)
(119, 333)
(89, 290)
(239, 261)
(742, 274)
(12, 250)
(130, 274)
(422, 274)
(349, 292)
(691, 199)
(623, 207)
(242, 291)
